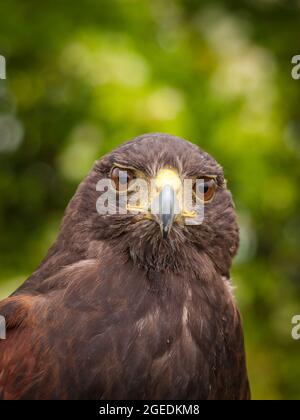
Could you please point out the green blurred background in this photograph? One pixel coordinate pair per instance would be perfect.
(83, 77)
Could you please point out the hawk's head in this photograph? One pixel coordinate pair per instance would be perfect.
(157, 231)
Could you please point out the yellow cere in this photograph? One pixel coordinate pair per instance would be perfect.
(168, 177)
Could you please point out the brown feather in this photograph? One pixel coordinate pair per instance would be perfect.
(114, 312)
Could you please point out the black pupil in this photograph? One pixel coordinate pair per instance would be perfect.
(123, 178)
(205, 188)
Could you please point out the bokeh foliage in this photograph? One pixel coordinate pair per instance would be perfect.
(84, 76)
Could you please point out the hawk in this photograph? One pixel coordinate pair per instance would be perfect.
(134, 305)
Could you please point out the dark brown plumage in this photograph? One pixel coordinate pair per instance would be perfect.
(116, 311)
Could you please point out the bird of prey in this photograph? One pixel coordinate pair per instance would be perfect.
(135, 305)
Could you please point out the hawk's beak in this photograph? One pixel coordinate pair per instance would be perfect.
(166, 214)
(165, 205)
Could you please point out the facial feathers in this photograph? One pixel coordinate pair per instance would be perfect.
(120, 308)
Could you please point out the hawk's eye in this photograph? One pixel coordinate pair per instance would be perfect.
(121, 178)
(205, 190)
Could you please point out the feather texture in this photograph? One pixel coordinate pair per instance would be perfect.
(115, 312)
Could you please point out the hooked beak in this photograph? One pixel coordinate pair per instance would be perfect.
(166, 213)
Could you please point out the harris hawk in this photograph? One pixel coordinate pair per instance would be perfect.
(134, 305)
